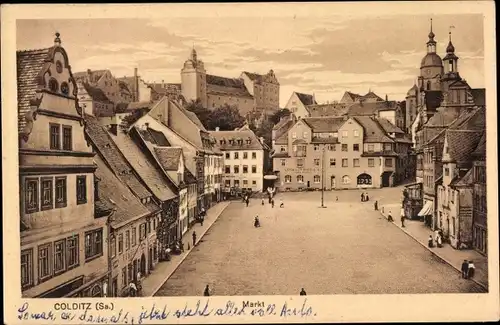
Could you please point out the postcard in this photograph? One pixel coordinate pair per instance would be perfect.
(249, 162)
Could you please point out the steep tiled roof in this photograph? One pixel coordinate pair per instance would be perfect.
(116, 194)
(306, 99)
(327, 109)
(253, 76)
(111, 154)
(480, 150)
(468, 179)
(443, 117)
(370, 108)
(244, 135)
(373, 132)
(239, 91)
(29, 66)
(353, 96)
(193, 118)
(388, 126)
(479, 95)
(282, 122)
(96, 93)
(371, 95)
(168, 157)
(282, 139)
(324, 124)
(154, 136)
(189, 177)
(91, 76)
(461, 144)
(151, 176)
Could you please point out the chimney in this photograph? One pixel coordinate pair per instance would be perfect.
(386, 98)
(261, 140)
(136, 85)
(162, 83)
(217, 128)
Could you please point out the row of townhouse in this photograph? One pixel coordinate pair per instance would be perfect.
(338, 152)
(100, 202)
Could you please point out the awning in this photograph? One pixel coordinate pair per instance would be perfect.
(426, 210)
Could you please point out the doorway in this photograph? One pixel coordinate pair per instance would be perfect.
(332, 182)
(143, 264)
(308, 184)
(150, 259)
(114, 288)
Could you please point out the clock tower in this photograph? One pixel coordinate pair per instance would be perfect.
(431, 67)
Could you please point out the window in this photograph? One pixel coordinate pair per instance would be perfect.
(355, 162)
(283, 149)
(294, 135)
(245, 182)
(316, 147)
(283, 162)
(245, 155)
(227, 182)
(300, 179)
(44, 268)
(317, 179)
(134, 236)
(227, 169)
(346, 179)
(67, 138)
(31, 195)
(93, 244)
(81, 189)
(127, 240)
(316, 162)
(60, 192)
(356, 133)
(142, 231)
(59, 256)
(124, 276)
(344, 147)
(236, 155)
(47, 193)
(236, 182)
(254, 169)
(333, 162)
(345, 162)
(300, 162)
(96, 291)
(254, 182)
(55, 136)
(387, 147)
(345, 134)
(288, 179)
(245, 169)
(72, 244)
(446, 171)
(331, 147)
(371, 162)
(227, 155)
(26, 268)
(113, 247)
(371, 148)
(305, 134)
(355, 147)
(236, 169)
(254, 155)
(388, 162)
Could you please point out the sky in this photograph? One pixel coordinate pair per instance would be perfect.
(325, 54)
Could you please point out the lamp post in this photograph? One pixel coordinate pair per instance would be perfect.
(323, 177)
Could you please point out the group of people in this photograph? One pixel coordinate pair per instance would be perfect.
(135, 289)
(438, 239)
(468, 269)
(206, 292)
(365, 197)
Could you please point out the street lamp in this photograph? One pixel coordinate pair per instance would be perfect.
(323, 177)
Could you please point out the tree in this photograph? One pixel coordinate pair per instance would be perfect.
(226, 118)
(275, 118)
(265, 130)
(201, 112)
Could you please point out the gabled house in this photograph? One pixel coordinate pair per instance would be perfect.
(63, 228)
(94, 101)
(479, 203)
(298, 102)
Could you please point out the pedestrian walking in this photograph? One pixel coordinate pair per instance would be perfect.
(367, 198)
(362, 197)
(194, 238)
(262, 201)
(202, 218)
(206, 292)
(282, 205)
(303, 292)
(389, 217)
(402, 217)
(181, 245)
(132, 289)
(375, 205)
(337, 198)
(272, 203)
(439, 241)
(465, 269)
(430, 242)
(472, 270)
(247, 201)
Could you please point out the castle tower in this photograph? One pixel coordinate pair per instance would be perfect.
(193, 79)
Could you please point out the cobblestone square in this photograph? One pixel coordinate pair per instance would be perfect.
(346, 248)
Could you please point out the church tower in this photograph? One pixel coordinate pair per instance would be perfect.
(193, 78)
(451, 62)
(431, 67)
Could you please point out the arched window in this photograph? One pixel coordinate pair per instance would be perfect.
(346, 180)
(65, 88)
(300, 179)
(428, 85)
(288, 179)
(96, 291)
(53, 85)
(317, 179)
(364, 179)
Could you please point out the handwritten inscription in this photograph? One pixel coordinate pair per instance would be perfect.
(105, 313)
